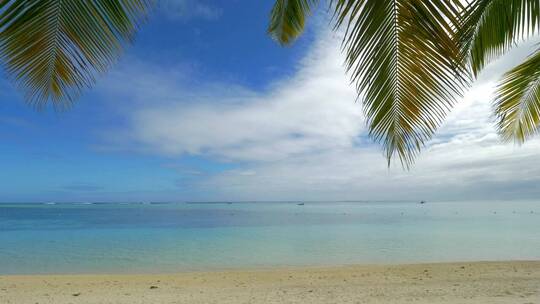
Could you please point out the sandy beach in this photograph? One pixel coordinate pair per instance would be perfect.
(478, 282)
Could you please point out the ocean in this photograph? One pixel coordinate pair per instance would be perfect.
(179, 237)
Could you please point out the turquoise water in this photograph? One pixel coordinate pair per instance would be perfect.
(128, 238)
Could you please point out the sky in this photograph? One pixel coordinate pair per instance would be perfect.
(204, 106)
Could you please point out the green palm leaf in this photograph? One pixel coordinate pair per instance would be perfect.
(491, 27)
(52, 49)
(288, 18)
(517, 103)
(404, 60)
(403, 57)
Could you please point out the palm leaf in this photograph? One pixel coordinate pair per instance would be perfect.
(491, 27)
(517, 103)
(53, 49)
(288, 18)
(404, 60)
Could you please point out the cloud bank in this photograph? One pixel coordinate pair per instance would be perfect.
(304, 137)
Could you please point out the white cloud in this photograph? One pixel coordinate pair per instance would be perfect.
(304, 137)
(312, 111)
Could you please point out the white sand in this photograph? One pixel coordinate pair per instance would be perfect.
(479, 282)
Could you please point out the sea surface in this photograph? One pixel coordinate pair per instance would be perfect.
(177, 237)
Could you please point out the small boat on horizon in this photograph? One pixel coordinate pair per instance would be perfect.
(300, 204)
(422, 202)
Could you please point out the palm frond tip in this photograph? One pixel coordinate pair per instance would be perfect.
(288, 19)
(53, 49)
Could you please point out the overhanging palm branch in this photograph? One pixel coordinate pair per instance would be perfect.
(404, 61)
(52, 49)
(518, 101)
(491, 27)
(288, 19)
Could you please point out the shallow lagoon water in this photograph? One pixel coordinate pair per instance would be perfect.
(176, 237)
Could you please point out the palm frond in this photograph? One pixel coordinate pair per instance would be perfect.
(404, 60)
(288, 18)
(517, 104)
(490, 27)
(53, 49)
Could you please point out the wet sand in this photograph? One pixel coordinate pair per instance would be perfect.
(478, 282)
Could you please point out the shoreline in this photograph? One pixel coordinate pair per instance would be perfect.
(457, 282)
(262, 269)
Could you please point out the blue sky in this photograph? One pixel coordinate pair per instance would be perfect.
(204, 106)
